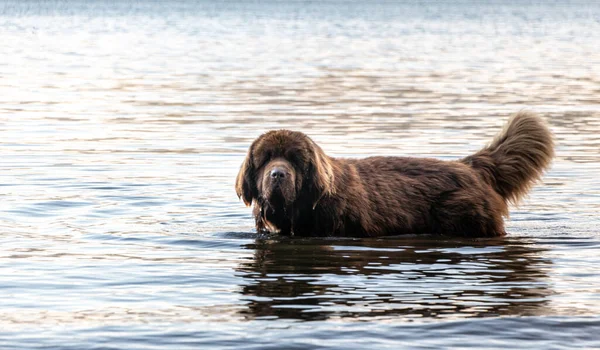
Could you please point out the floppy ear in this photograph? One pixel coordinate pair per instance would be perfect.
(245, 183)
(322, 176)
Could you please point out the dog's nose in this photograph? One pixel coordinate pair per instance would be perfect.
(277, 173)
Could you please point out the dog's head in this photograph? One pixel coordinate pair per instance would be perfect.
(283, 170)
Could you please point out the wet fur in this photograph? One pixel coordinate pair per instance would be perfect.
(377, 196)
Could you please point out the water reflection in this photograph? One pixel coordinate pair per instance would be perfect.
(399, 278)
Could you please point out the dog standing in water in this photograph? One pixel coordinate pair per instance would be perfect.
(297, 190)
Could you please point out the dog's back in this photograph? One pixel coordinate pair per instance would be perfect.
(468, 197)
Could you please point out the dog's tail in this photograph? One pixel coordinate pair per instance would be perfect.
(517, 157)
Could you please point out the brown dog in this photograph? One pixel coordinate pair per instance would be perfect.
(298, 190)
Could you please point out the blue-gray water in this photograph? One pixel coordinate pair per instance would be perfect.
(123, 125)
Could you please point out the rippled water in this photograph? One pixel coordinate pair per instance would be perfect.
(124, 124)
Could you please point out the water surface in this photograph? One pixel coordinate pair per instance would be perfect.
(124, 125)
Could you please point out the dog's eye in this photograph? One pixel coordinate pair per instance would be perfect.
(263, 159)
(297, 161)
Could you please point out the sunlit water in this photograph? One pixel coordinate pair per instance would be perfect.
(123, 127)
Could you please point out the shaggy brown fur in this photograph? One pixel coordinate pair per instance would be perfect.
(298, 190)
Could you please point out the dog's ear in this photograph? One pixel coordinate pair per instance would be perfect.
(321, 174)
(245, 183)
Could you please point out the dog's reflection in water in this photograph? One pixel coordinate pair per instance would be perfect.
(406, 277)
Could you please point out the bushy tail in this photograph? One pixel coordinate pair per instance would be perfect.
(517, 157)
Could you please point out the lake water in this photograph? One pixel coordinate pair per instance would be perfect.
(123, 125)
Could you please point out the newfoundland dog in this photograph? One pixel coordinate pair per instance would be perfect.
(298, 190)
